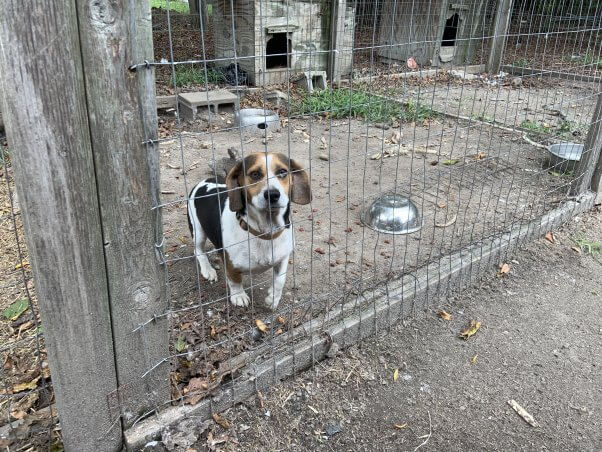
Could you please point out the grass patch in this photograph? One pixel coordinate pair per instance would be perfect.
(534, 126)
(523, 62)
(589, 247)
(343, 103)
(592, 60)
(484, 118)
(195, 75)
(178, 7)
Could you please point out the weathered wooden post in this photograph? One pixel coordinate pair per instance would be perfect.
(49, 136)
(587, 171)
(113, 36)
(500, 32)
(337, 29)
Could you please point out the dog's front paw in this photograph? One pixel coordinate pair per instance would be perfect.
(272, 301)
(240, 299)
(209, 273)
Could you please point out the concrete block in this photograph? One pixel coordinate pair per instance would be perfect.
(215, 99)
(277, 98)
(311, 80)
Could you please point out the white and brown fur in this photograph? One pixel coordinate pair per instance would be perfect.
(247, 216)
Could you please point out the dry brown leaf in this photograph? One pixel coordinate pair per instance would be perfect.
(396, 375)
(504, 269)
(444, 315)
(320, 250)
(196, 387)
(278, 332)
(22, 264)
(400, 426)
(472, 329)
(281, 320)
(261, 326)
(550, 237)
(221, 421)
(19, 414)
(576, 249)
(331, 240)
(481, 155)
(25, 386)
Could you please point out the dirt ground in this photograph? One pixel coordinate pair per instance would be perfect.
(470, 181)
(540, 344)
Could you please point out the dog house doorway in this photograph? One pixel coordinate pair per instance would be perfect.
(278, 51)
(448, 40)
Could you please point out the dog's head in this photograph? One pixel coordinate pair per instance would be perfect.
(267, 182)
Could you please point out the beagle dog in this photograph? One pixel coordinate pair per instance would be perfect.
(247, 217)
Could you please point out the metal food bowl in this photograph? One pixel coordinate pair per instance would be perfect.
(564, 156)
(392, 214)
(257, 120)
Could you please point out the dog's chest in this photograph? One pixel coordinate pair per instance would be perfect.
(250, 253)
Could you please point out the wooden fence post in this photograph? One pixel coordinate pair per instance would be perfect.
(113, 36)
(48, 133)
(500, 31)
(590, 160)
(337, 29)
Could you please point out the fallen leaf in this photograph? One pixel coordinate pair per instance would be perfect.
(474, 359)
(181, 344)
(25, 386)
(320, 250)
(396, 375)
(504, 269)
(20, 414)
(472, 329)
(221, 421)
(550, 237)
(348, 229)
(450, 162)
(331, 240)
(400, 426)
(523, 413)
(412, 63)
(576, 249)
(14, 311)
(21, 265)
(195, 389)
(480, 156)
(444, 315)
(278, 332)
(281, 320)
(261, 326)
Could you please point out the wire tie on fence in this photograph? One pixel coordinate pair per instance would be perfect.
(151, 141)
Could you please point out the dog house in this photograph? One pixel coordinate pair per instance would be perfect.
(434, 33)
(277, 39)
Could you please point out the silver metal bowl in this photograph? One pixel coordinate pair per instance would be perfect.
(564, 156)
(392, 214)
(257, 120)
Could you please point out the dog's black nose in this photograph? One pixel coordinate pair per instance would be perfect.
(272, 196)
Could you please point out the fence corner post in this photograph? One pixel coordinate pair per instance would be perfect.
(587, 171)
(123, 121)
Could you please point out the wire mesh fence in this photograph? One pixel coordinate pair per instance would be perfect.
(391, 101)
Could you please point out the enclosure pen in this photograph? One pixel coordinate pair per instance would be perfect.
(437, 138)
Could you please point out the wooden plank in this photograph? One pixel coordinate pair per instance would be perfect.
(586, 167)
(48, 133)
(113, 36)
(387, 308)
(522, 71)
(500, 35)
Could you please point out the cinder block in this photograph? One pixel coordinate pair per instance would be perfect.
(311, 80)
(216, 99)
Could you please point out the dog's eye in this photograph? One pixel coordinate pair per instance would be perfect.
(281, 173)
(255, 175)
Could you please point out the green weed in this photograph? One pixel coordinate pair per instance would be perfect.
(343, 103)
(195, 75)
(523, 62)
(591, 248)
(179, 7)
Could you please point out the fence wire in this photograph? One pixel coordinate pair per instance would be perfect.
(410, 112)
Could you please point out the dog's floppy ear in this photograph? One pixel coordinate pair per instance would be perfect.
(300, 188)
(235, 191)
